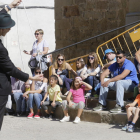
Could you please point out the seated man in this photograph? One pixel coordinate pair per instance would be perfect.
(124, 80)
(110, 56)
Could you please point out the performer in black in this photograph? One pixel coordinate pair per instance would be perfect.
(7, 68)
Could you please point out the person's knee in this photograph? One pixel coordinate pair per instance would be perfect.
(90, 77)
(118, 83)
(36, 95)
(81, 105)
(137, 111)
(129, 109)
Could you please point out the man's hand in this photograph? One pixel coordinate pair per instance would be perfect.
(15, 3)
(105, 84)
(37, 77)
(53, 104)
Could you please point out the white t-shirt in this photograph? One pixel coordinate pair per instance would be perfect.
(97, 70)
(40, 85)
(39, 47)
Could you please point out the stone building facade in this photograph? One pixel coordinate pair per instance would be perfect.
(76, 20)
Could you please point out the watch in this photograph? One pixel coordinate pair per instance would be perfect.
(8, 7)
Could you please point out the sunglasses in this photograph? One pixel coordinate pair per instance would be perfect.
(91, 58)
(60, 59)
(38, 72)
(36, 33)
(120, 57)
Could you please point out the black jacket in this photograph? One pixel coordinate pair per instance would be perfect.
(8, 69)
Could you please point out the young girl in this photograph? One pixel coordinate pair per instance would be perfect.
(54, 97)
(80, 66)
(77, 91)
(92, 75)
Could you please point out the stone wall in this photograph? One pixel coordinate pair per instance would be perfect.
(76, 20)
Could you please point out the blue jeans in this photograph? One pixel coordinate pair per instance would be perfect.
(37, 98)
(63, 77)
(20, 102)
(121, 87)
(93, 81)
(68, 83)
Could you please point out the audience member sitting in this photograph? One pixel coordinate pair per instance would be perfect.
(92, 74)
(137, 60)
(124, 80)
(77, 91)
(38, 90)
(61, 68)
(110, 56)
(18, 88)
(132, 113)
(80, 66)
(54, 97)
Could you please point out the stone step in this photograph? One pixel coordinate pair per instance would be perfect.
(97, 116)
(89, 115)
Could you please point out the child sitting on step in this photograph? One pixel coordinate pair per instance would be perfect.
(132, 113)
(77, 91)
(54, 97)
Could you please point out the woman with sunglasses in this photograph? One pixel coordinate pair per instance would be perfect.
(92, 74)
(40, 45)
(61, 68)
(36, 94)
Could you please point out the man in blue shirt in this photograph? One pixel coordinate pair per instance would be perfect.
(124, 80)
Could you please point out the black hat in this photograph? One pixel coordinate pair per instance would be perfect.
(6, 21)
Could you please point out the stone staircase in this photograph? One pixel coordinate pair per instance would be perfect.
(89, 115)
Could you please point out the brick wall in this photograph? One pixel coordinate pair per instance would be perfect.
(76, 20)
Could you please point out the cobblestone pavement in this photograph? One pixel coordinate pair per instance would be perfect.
(21, 128)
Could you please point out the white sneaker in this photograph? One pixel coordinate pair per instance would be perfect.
(87, 95)
(65, 119)
(77, 120)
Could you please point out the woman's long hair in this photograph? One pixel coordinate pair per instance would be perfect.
(56, 65)
(95, 63)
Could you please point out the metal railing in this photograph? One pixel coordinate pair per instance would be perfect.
(127, 41)
(105, 33)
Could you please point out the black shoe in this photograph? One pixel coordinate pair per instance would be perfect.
(23, 113)
(131, 99)
(51, 116)
(17, 114)
(6, 114)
